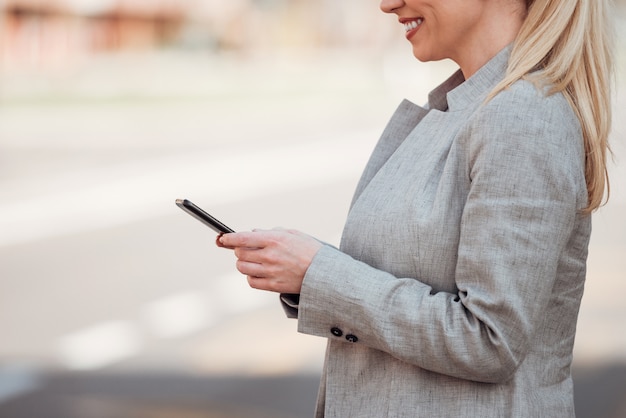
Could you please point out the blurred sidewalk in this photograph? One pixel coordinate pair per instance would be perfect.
(116, 304)
(599, 393)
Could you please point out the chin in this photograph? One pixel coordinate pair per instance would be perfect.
(421, 56)
(426, 56)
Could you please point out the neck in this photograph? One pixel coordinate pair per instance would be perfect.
(500, 28)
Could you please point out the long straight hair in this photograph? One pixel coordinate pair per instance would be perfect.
(568, 45)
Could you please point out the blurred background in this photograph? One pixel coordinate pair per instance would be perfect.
(113, 302)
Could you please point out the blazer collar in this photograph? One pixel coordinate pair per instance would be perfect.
(456, 93)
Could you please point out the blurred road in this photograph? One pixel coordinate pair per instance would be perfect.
(113, 302)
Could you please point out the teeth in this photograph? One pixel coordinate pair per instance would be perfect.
(412, 24)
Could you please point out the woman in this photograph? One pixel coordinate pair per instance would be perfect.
(462, 263)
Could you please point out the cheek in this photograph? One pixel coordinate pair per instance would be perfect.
(448, 34)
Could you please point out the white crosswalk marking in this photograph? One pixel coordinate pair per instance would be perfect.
(99, 345)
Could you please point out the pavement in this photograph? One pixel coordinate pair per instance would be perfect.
(114, 303)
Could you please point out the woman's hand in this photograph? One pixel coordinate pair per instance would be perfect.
(274, 260)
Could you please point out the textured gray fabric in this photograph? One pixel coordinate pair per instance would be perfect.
(462, 261)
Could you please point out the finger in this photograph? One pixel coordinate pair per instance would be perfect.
(246, 239)
(297, 233)
(266, 255)
(255, 282)
(218, 241)
(250, 269)
(260, 283)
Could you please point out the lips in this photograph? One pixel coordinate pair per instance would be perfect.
(411, 26)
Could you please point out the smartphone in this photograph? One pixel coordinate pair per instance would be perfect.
(203, 217)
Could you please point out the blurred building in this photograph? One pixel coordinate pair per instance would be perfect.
(44, 34)
(52, 33)
(49, 34)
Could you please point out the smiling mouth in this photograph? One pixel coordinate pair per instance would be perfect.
(412, 24)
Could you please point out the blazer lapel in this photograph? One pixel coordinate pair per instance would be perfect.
(403, 121)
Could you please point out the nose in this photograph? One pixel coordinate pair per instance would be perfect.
(390, 6)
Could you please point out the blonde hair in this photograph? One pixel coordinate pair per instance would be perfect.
(568, 45)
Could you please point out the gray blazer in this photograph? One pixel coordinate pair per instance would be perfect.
(462, 263)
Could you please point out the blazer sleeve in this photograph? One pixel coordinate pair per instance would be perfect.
(525, 166)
